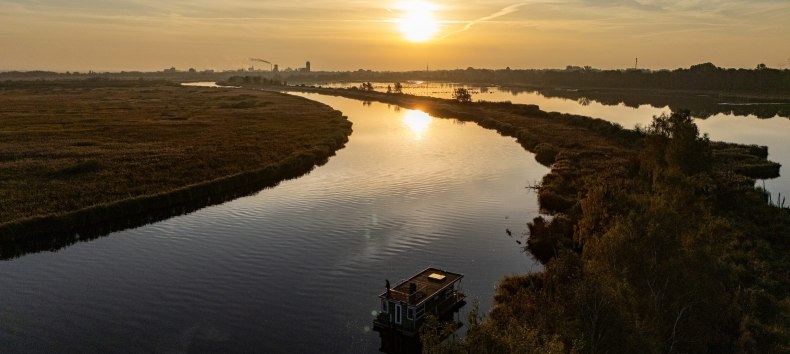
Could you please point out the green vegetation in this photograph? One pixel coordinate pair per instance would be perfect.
(76, 154)
(657, 240)
(665, 253)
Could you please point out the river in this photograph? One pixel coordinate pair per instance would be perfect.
(294, 268)
(744, 121)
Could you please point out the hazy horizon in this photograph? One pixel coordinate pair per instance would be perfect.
(342, 35)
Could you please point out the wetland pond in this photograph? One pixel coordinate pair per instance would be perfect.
(295, 268)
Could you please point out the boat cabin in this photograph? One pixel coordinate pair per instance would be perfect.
(432, 291)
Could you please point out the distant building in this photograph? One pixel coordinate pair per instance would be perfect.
(171, 70)
(306, 68)
(276, 68)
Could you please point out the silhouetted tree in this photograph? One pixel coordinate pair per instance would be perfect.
(398, 87)
(462, 95)
(674, 141)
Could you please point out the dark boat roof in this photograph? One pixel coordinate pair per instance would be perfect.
(429, 282)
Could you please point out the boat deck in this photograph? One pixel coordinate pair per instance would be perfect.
(428, 283)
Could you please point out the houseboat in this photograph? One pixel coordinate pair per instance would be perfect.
(404, 306)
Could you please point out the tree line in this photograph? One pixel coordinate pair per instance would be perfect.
(706, 76)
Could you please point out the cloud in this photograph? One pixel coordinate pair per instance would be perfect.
(505, 11)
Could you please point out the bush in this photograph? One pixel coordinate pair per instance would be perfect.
(462, 95)
(546, 153)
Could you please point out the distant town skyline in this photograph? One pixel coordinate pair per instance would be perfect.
(339, 35)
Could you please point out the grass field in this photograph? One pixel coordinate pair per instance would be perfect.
(69, 146)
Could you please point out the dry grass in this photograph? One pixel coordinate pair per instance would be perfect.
(64, 147)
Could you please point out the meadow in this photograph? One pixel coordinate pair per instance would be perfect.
(75, 153)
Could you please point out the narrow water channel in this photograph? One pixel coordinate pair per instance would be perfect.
(295, 268)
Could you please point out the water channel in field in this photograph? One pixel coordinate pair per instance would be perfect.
(296, 268)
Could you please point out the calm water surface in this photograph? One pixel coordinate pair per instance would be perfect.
(296, 268)
(734, 126)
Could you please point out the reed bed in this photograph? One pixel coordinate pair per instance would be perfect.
(68, 149)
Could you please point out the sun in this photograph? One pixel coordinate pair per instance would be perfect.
(417, 121)
(417, 24)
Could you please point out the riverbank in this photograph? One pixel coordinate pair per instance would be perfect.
(658, 240)
(561, 141)
(723, 95)
(94, 158)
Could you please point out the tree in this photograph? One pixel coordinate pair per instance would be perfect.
(704, 67)
(673, 141)
(398, 88)
(462, 95)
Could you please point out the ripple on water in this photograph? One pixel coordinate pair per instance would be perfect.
(298, 266)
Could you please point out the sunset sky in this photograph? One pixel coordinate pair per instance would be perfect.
(146, 35)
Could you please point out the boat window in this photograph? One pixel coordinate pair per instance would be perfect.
(384, 307)
(410, 313)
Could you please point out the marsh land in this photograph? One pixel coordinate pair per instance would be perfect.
(657, 240)
(86, 146)
(652, 240)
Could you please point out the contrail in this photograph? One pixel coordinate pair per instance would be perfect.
(507, 10)
(261, 60)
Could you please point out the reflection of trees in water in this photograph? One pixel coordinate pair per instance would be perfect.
(701, 106)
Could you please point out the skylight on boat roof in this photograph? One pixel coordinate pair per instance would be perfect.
(436, 277)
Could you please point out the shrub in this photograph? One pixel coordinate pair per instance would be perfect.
(546, 153)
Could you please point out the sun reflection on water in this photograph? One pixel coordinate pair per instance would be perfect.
(417, 121)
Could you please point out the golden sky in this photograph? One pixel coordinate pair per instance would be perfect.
(146, 35)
